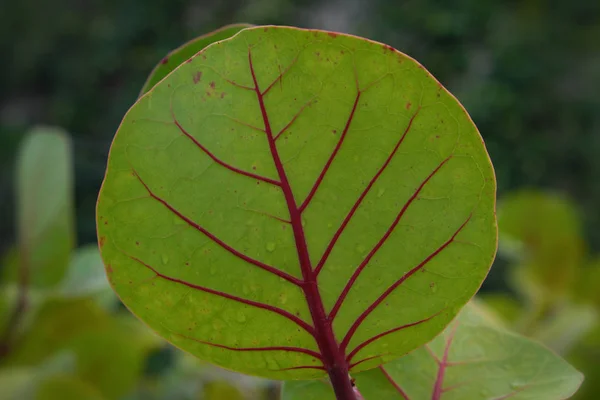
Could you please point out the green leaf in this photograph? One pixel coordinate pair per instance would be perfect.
(86, 274)
(110, 352)
(279, 155)
(66, 388)
(472, 359)
(185, 52)
(45, 206)
(545, 231)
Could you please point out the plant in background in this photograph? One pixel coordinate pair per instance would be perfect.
(57, 328)
(301, 205)
(555, 279)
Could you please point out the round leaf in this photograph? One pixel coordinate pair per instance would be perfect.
(292, 199)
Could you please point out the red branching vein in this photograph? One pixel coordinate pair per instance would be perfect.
(366, 359)
(319, 367)
(358, 202)
(394, 383)
(215, 239)
(379, 244)
(332, 358)
(278, 79)
(390, 331)
(285, 128)
(269, 348)
(395, 285)
(251, 303)
(439, 380)
(317, 183)
(219, 161)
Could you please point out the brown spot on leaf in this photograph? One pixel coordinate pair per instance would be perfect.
(332, 34)
(388, 48)
(137, 243)
(212, 84)
(109, 269)
(164, 60)
(101, 241)
(197, 76)
(222, 94)
(408, 105)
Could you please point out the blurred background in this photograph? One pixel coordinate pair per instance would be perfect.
(527, 71)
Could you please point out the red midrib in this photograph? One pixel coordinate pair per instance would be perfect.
(333, 359)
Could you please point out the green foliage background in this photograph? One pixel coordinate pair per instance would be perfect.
(527, 71)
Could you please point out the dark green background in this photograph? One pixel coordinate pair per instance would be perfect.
(527, 71)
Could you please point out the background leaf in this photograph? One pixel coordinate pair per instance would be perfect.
(281, 154)
(45, 206)
(181, 54)
(472, 359)
(86, 275)
(547, 230)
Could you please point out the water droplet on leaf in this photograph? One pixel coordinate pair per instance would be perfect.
(380, 192)
(241, 317)
(433, 287)
(213, 269)
(271, 247)
(360, 249)
(165, 258)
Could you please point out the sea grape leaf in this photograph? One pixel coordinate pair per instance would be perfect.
(548, 231)
(281, 155)
(474, 358)
(85, 275)
(45, 206)
(185, 52)
(110, 352)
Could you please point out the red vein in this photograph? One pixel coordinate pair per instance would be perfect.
(395, 285)
(350, 214)
(366, 359)
(432, 354)
(219, 161)
(237, 121)
(285, 128)
(319, 367)
(379, 336)
(333, 154)
(379, 244)
(252, 303)
(333, 358)
(269, 348)
(238, 85)
(221, 243)
(281, 74)
(439, 380)
(393, 382)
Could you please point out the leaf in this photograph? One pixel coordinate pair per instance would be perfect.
(548, 230)
(110, 352)
(45, 205)
(280, 155)
(472, 359)
(185, 52)
(66, 388)
(86, 274)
